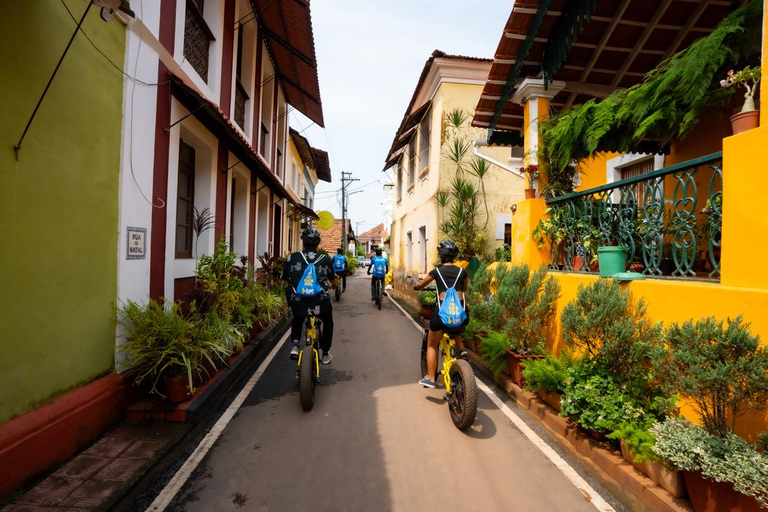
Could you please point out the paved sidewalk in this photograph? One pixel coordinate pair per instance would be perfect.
(96, 478)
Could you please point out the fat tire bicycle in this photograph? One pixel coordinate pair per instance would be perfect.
(338, 293)
(459, 379)
(308, 368)
(378, 292)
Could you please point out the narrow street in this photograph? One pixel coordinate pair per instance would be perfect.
(375, 440)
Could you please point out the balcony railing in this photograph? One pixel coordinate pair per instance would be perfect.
(670, 220)
(197, 40)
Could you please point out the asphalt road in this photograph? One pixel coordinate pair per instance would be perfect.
(375, 440)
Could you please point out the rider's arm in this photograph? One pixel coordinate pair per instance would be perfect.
(424, 282)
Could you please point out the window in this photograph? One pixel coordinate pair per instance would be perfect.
(185, 200)
(269, 90)
(279, 168)
(197, 38)
(412, 163)
(294, 176)
(424, 134)
(241, 94)
(408, 251)
(423, 249)
(264, 141)
(400, 180)
(290, 237)
(634, 170)
(508, 234)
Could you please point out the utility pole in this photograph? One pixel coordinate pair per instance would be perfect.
(346, 179)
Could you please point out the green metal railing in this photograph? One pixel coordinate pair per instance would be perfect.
(667, 232)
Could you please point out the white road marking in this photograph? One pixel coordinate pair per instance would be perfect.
(560, 463)
(184, 472)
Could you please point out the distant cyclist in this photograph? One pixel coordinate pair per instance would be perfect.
(447, 275)
(340, 267)
(379, 267)
(320, 303)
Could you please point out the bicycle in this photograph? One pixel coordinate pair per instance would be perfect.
(308, 370)
(338, 293)
(459, 379)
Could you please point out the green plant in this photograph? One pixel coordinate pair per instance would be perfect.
(550, 373)
(160, 340)
(726, 458)
(638, 438)
(269, 305)
(218, 286)
(272, 270)
(202, 221)
(493, 351)
(551, 227)
(351, 268)
(428, 298)
(604, 322)
(531, 173)
(721, 369)
(503, 254)
(524, 305)
(666, 105)
(597, 399)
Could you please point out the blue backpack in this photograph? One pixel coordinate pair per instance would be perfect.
(451, 310)
(308, 285)
(379, 264)
(339, 262)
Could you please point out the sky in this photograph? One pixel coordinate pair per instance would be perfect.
(370, 54)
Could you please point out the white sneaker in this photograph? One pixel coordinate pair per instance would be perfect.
(327, 358)
(295, 352)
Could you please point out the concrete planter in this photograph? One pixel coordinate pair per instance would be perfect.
(669, 479)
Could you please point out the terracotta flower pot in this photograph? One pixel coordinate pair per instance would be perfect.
(516, 363)
(530, 193)
(709, 496)
(177, 388)
(594, 434)
(669, 479)
(551, 398)
(744, 121)
(426, 311)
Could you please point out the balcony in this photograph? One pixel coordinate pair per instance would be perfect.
(197, 40)
(670, 220)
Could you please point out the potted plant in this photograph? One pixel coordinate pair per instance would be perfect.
(547, 376)
(522, 309)
(427, 302)
(531, 173)
(748, 117)
(722, 370)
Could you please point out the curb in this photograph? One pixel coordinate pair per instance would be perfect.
(632, 488)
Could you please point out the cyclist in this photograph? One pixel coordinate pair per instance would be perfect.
(444, 276)
(340, 267)
(320, 304)
(380, 267)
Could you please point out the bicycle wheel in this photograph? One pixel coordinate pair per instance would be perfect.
(424, 353)
(463, 399)
(307, 378)
(378, 294)
(338, 293)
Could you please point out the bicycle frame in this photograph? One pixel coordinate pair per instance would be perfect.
(311, 342)
(446, 346)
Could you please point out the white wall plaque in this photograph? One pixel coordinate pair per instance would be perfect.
(136, 243)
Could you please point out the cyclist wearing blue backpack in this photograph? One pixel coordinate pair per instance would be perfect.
(379, 267)
(309, 274)
(340, 267)
(451, 314)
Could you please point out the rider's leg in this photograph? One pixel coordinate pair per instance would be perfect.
(433, 340)
(296, 325)
(459, 339)
(373, 288)
(327, 339)
(344, 281)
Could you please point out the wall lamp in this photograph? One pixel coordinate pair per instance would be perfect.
(513, 208)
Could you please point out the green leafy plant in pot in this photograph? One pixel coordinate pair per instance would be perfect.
(547, 377)
(722, 370)
(427, 303)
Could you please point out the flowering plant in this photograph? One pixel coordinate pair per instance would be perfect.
(531, 172)
(749, 78)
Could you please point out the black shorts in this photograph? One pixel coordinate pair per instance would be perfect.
(435, 324)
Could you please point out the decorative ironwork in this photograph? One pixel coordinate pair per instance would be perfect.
(657, 216)
(240, 98)
(197, 41)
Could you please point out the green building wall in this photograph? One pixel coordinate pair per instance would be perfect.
(58, 202)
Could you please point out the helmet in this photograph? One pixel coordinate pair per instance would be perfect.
(378, 251)
(339, 251)
(310, 237)
(447, 250)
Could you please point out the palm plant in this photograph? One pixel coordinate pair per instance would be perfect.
(202, 221)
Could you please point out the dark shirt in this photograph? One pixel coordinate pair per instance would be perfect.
(449, 274)
(292, 272)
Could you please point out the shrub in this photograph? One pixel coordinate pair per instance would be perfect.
(638, 438)
(550, 373)
(603, 322)
(524, 305)
(494, 353)
(723, 370)
(597, 399)
(726, 458)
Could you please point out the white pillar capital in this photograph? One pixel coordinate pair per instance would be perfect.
(534, 88)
